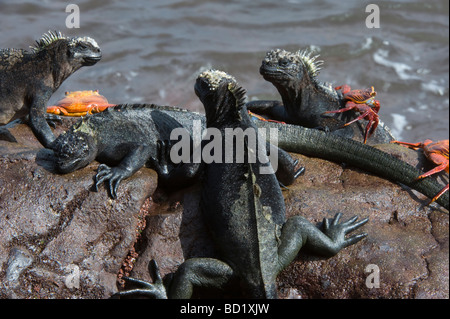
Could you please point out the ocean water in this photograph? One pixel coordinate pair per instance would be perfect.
(154, 50)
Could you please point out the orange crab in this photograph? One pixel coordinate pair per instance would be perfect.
(362, 101)
(80, 103)
(437, 152)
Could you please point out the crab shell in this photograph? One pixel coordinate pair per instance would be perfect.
(357, 96)
(80, 103)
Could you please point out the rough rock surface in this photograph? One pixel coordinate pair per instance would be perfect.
(407, 243)
(58, 238)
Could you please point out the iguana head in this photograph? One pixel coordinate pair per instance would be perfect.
(221, 96)
(65, 54)
(284, 68)
(82, 51)
(73, 150)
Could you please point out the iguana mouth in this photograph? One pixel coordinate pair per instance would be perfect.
(68, 166)
(272, 72)
(92, 59)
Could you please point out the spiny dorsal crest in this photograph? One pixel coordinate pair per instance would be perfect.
(131, 107)
(47, 39)
(303, 57)
(53, 36)
(312, 64)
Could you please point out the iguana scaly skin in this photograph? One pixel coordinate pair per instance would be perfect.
(245, 213)
(29, 78)
(305, 98)
(125, 138)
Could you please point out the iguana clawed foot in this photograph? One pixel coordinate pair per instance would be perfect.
(6, 135)
(297, 174)
(155, 290)
(52, 119)
(300, 171)
(337, 232)
(114, 175)
(160, 163)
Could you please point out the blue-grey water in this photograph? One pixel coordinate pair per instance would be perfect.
(153, 50)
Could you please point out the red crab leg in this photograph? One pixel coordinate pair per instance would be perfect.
(94, 108)
(344, 88)
(348, 108)
(262, 118)
(439, 194)
(435, 170)
(374, 126)
(413, 145)
(56, 110)
(362, 116)
(370, 129)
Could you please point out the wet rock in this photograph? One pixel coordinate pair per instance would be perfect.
(58, 238)
(404, 256)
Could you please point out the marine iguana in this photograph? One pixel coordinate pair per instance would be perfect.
(125, 137)
(305, 98)
(29, 78)
(245, 213)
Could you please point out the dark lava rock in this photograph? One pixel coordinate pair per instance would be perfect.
(58, 238)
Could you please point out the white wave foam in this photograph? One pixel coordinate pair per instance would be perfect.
(433, 87)
(398, 125)
(401, 69)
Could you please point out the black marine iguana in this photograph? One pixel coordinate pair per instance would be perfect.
(305, 98)
(245, 213)
(125, 138)
(29, 78)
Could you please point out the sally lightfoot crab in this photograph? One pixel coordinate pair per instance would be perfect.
(80, 103)
(362, 101)
(437, 152)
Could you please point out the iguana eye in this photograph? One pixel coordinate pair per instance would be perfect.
(284, 62)
(82, 46)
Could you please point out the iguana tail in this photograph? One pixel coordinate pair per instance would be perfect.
(331, 147)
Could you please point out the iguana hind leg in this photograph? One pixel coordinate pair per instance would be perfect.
(195, 272)
(154, 290)
(199, 272)
(298, 232)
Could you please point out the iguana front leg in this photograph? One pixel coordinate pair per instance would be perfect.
(286, 171)
(135, 159)
(273, 109)
(37, 116)
(174, 175)
(298, 232)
